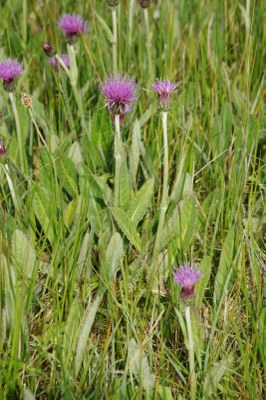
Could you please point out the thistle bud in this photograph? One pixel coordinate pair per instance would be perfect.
(144, 3)
(113, 3)
(2, 149)
(48, 48)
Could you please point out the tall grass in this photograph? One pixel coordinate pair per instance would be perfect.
(88, 309)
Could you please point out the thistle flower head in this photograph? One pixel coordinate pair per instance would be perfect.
(73, 24)
(187, 276)
(119, 93)
(164, 89)
(54, 61)
(9, 70)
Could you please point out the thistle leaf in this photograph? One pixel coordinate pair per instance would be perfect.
(126, 226)
(141, 202)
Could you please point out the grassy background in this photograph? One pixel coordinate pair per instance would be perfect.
(86, 311)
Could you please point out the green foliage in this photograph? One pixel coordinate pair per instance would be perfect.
(88, 309)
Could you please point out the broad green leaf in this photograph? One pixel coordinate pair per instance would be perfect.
(114, 254)
(68, 175)
(227, 118)
(225, 264)
(134, 152)
(139, 366)
(134, 271)
(164, 393)
(126, 226)
(43, 213)
(180, 225)
(141, 202)
(198, 335)
(124, 192)
(75, 155)
(210, 206)
(104, 189)
(84, 331)
(105, 27)
(28, 395)
(85, 249)
(23, 254)
(205, 269)
(214, 376)
(183, 186)
(71, 331)
(46, 168)
(70, 211)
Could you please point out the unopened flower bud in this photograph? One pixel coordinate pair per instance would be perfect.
(2, 149)
(113, 3)
(48, 48)
(144, 3)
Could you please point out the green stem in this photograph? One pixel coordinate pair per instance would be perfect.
(25, 21)
(11, 188)
(148, 41)
(118, 146)
(114, 18)
(37, 129)
(73, 64)
(21, 146)
(190, 346)
(164, 201)
(73, 75)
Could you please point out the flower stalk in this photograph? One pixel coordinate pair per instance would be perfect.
(164, 200)
(21, 147)
(73, 75)
(148, 42)
(114, 19)
(118, 158)
(190, 347)
(11, 187)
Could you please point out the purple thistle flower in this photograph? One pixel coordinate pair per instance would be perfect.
(9, 70)
(119, 93)
(164, 89)
(187, 277)
(54, 62)
(72, 25)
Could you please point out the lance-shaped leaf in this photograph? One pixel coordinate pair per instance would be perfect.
(126, 226)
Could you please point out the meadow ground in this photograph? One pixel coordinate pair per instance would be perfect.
(98, 211)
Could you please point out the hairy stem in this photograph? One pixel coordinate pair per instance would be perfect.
(148, 41)
(164, 201)
(190, 346)
(21, 145)
(73, 75)
(118, 146)
(11, 188)
(114, 18)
